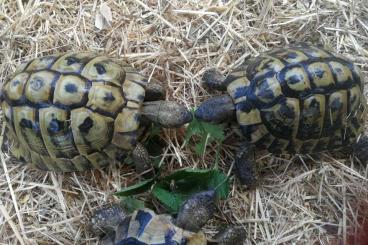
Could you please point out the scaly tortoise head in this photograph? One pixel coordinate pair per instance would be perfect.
(79, 111)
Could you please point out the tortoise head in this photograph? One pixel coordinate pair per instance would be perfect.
(216, 110)
(167, 114)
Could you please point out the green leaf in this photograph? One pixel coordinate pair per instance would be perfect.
(207, 132)
(130, 204)
(154, 131)
(194, 128)
(214, 130)
(135, 189)
(170, 200)
(220, 182)
(185, 173)
(175, 188)
(200, 147)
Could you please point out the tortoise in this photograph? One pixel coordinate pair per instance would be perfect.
(296, 99)
(145, 227)
(77, 111)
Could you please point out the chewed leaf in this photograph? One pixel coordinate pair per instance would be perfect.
(215, 131)
(135, 189)
(206, 132)
(170, 200)
(130, 204)
(175, 188)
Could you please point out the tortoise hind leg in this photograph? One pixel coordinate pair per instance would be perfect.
(360, 149)
(245, 167)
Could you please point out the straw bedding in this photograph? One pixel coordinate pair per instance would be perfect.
(302, 199)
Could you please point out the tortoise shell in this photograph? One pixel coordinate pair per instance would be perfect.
(298, 99)
(144, 227)
(73, 111)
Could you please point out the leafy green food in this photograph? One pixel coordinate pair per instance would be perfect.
(138, 188)
(172, 190)
(130, 204)
(206, 132)
(175, 188)
(170, 200)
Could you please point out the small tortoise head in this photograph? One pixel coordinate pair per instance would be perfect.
(216, 110)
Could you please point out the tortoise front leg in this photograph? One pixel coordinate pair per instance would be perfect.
(360, 149)
(141, 158)
(213, 79)
(154, 91)
(245, 167)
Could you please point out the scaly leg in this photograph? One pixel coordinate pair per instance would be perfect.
(245, 166)
(360, 149)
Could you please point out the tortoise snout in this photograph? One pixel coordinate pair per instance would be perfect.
(216, 110)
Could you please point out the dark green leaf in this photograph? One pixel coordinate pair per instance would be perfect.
(194, 128)
(170, 200)
(154, 131)
(173, 189)
(200, 147)
(156, 162)
(220, 182)
(128, 160)
(186, 173)
(130, 204)
(214, 130)
(135, 189)
(207, 132)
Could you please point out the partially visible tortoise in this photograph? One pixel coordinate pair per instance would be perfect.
(295, 99)
(80, 110)
(145, 227)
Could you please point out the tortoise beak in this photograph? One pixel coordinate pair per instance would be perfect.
(216, 110)
(167, 114)
(187, 117)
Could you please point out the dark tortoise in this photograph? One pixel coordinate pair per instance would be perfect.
(296, 99)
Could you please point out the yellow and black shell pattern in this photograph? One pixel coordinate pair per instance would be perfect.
(73, 111)
(144, 227)
(299, 99)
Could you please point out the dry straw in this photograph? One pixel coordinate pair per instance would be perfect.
(309, 199)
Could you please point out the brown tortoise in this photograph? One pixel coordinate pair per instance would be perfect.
(296, 99)
(78, 111)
